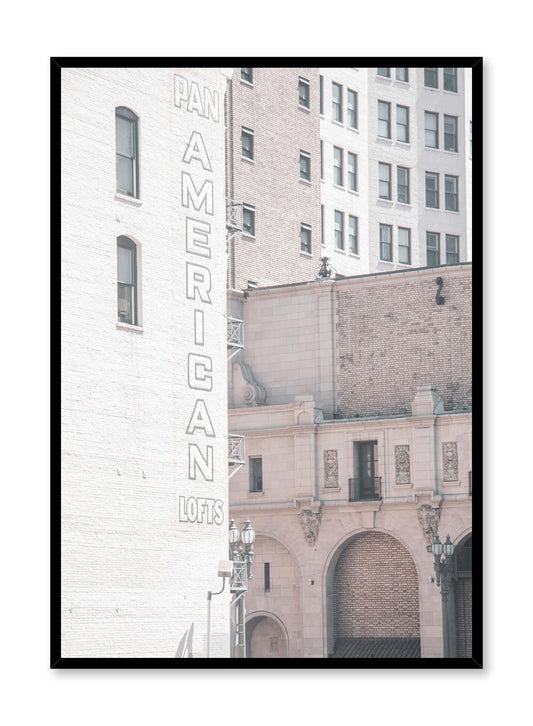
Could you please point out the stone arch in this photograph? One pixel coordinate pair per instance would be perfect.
(372, 596)
(266, 636)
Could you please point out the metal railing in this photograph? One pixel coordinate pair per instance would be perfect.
(235, 340)
(361, 490)
(236, 449)
(233, 215)
(239, 578)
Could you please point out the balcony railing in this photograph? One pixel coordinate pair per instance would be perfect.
(235, 338)
(362, 490)
(233, 215)
(236, 449)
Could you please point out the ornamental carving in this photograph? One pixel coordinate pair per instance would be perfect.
(449, 461)
(331, 468)
(246, 390)
(429, 518)
(310, 522)
(403, 464)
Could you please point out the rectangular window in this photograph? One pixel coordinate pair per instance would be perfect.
(305, 238)
(404, 245)
(322, 222)
(248, 220)
(339, 230)
(247, 140)
(384, 72)
(256, 474)
(385, 181)
(247, 75)
(432, 190)
(452, 249)
(304, 93)
(127, 152)
(338, 166)
(352, 171)
(451, 193)
(450, 79)
(402, 123)
(321, 159)
(403, 191)
(385, 242)
(126, 280)
(353, 235)
(402, 74)
(321, 95)
(305, 166)
(384, 119)
(266, 569)
(351, 108)
(432, 249)
(336, 101)
(450, 133)
(431, 129)
(431, 77)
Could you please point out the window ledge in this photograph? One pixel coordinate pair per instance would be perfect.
(432, 148)
(130, 200)
(355, 255)
(305, 181)
(127, 326)
(306, 254)
(246, 83)
(304, 108)
(433, 209)
(250, 161)
(253, 495)
(452, 93)
(337, 123)
(353, 191)
(249, 236)
(406, 84)
(384, 139)
(453, 211)
(406, 205)
(403, 144)
(386, 262)
(326, 490)
(342, 252)
(450, 151)
(450, 483)
(338, 186)
(386, 202)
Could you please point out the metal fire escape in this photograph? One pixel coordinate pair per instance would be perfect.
(235, 338)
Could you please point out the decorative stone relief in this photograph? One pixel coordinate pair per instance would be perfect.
(403, 464)
(246, 390)
(310, 522)
(331, 468)
(429, 518)
(449, 461)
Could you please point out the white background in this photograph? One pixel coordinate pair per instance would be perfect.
(35, 694)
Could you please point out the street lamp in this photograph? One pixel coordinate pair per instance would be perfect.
(443, 554)
(242, 556)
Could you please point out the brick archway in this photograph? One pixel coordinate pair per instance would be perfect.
(375, 599)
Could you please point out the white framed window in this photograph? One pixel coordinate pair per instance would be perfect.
(402, 123)
(338, 166)
(127, 282)
(127, 152)
(322, 225)
(353, 234)
(247, 143)
(321, 95)
(384, 119)
(304, 93)
(432, 190)
(452, 249)
(402, 74)
(450, 79)
(247, 75)
(450, 133)
(305, 238)
(431, 129)
(352, 109)
(451, 193)
(403, 190)
(336, 101)
(385, 184)
(404, 245)
(321, 159)
(432, 249)
(352, 172)
(385, 72)
(385, 242)
(339, 230)
(305, 166)
(248, 220)
(431, 77)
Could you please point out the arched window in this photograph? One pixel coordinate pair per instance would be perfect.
(127, 151)
(127, 281)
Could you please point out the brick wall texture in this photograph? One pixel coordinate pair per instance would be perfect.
(394, 337)
(376, 589)
(271, 183)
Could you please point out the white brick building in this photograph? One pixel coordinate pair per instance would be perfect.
(144, 425)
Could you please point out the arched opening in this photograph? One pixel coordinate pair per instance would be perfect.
(374, 598)
(462, 598)
(265, 637)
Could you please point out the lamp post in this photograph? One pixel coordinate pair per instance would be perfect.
(443, 554)
(242, 556)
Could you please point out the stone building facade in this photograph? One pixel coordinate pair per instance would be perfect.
(144, 422)
(355, 481)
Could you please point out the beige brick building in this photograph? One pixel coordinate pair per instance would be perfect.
(354, 397)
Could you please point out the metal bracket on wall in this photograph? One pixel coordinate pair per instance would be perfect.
(438, 297)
